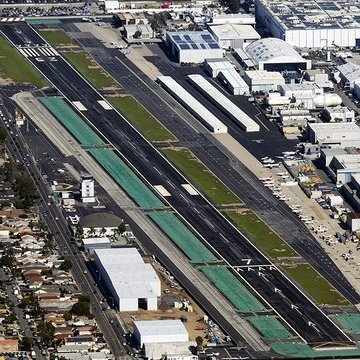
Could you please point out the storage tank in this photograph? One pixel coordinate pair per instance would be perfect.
(278, 100)
(327, 100)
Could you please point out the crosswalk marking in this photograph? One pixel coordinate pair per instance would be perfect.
(38, 52)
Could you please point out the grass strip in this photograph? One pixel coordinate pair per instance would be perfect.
(315, 284)
(264, 237)
(210, 185)
(141, 118)
(14, 68)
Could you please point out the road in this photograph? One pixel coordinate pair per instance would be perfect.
(232, 246)
(57, 225)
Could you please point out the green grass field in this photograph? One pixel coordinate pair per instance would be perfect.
(84, 63)
(215, 190)
(141, 119)
(315, 284)
(57, 38)
(270, 242)
(14, 68)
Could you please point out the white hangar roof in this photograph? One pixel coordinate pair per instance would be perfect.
(273, 50)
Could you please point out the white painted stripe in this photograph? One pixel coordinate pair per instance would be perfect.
(23, 52)
(50, 52)
(10, 19)
(43, 52)
(189, 189)
(3, 19)
(79, 106)
(105, 105)
(162, 190)
(32, 52)
(36, 53)
(54, 52)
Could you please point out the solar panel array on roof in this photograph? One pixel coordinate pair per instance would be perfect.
(214, 46)
(184, 46)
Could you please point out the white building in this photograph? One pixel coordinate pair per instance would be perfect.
(207, 118)
(243, 19)
(304, 89)
(244, 121)
(319, 77)
(128, 278)
(96, 243)
(99, 224)
(87, 189)
(349, 74)
(340, 114)
(193, 46)
(231, 36)
(159, 331)
(214, 66)
(312, 24)
(233, 82)
(141, 32)
(170, 351)
(276, 55)
(263, 80)
(334, 134)
(345, 166)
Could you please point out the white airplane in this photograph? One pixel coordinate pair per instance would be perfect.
(282, 173)
(268, 185)
(289, 152)
(296, 211)
(277, 188)
(271, 165)
(280, 157)
(268, 161)
(295, 206)
(284, 198)
(264, 158)
(266, 178)
(285, 176)
(307, 222)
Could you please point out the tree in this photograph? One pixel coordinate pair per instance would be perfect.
(46, 331)
(199, 341)
(137, 34)
(10, 319)
(66, 265)
(7, 260)
(81, 309)
(67, 316)
(121, 228)
(3, 134)
(26, 344)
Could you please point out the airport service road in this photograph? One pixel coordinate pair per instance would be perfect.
(208, 222)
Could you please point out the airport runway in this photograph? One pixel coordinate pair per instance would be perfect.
(229, 169)
(208, 222)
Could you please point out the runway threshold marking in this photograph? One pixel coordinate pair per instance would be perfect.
(104, 104)
(190, 189)
(162, 190)
(79, 105)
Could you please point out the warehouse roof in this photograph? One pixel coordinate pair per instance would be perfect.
(233, 78)
(335, 131)
(234, 31)
(264, 74)
(165, 350)
(160, 327)
(196, 107)
(273, 50)
(314, 14)
(193, 40)
(245, 121)
(100, 219)
(350, 71)
(94, 241)
(129, 275)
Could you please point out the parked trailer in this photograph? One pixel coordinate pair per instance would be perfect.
(225, 105)
(192, 105)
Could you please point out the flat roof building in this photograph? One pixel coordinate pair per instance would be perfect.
(208, 119)
(231, 36)
(334, 134)
(193, 46)
(263, 80)
(276, 55)
(349, 74)
(312, 24)
(233, 82)
(214, 66)
(223, 103)
(128, 278)
(160, 331)
(241, 18)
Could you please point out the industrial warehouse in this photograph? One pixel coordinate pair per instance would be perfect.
(128, 278)
(311, 25)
